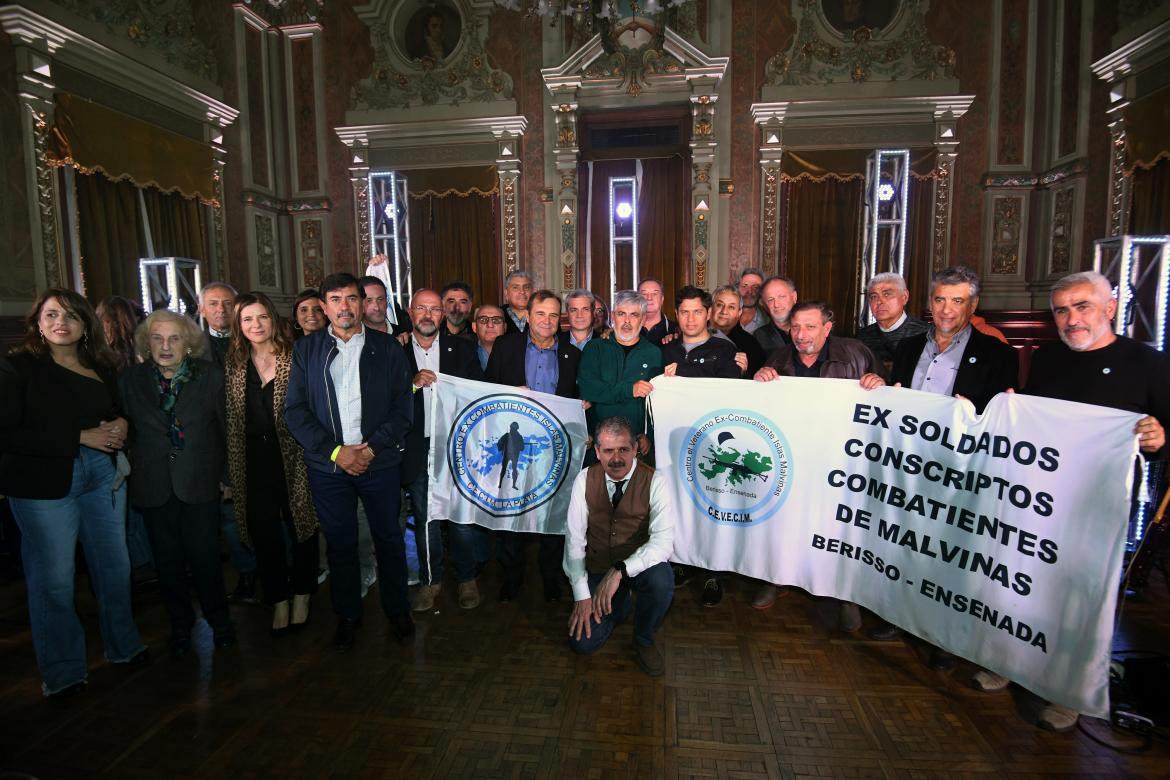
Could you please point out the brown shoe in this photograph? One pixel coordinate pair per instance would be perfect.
(468, 595)
(424, 600)
(650, 660)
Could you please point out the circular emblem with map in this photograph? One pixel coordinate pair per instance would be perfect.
(736, 467)
(508, 454)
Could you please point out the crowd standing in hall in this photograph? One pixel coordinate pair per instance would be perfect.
(298, 439)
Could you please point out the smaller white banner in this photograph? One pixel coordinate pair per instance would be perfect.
(502, 457)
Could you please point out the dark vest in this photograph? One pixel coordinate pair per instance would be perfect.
(615, 534)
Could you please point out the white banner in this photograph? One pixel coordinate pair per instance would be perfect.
(502, 457)
(998, 538)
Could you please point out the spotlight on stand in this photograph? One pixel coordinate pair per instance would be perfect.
(623, 210)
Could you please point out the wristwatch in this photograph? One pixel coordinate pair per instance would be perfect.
(620, 567)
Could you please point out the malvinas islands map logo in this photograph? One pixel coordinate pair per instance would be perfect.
(736, 467)
(509, 454)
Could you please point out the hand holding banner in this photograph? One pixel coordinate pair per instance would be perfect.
(998, 537)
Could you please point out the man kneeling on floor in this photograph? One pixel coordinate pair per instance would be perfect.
(620, 534)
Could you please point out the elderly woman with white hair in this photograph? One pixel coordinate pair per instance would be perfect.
(174, 401)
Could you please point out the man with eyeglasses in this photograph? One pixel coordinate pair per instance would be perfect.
(432, 351)
(487, 323)
(887, 296)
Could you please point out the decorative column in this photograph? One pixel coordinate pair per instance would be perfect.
(1118, 182)
(35, 87)
(771, 151)
(359, 172)
(508, 168)
(703, 146)
(947, 145)
(219, 260)
(567, 154)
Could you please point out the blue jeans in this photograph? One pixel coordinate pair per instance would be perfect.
(469, 543)
(336, 496)
(50, 528)
(653, 591)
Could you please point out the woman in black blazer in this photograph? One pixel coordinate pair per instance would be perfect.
(60, 428)
(175, 403)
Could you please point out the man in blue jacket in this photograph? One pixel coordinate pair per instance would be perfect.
(349, 405)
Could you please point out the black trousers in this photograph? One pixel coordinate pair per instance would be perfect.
(186, 536)
(270, 526)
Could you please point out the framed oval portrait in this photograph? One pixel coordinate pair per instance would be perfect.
(845, 16)
(432, 32)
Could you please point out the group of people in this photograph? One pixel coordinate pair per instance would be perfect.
(280, 430)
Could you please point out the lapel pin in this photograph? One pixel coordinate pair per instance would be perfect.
(971, 359)
(1106, 370)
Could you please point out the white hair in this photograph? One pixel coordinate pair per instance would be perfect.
(1097, 280)
(888, 277)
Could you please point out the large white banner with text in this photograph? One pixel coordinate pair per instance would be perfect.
(997, 537)
(502, 457)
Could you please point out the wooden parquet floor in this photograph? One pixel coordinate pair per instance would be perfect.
(495, 693)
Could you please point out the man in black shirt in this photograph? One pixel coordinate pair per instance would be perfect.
(887, 296)
(726, 310)
(778, 296)
(655, 325)
(458, 302)
(1093, 365)
(698, 353)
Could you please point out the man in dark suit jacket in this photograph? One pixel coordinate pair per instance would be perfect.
(542, 359)
(952, 358)
(349, 405)
(431, 351)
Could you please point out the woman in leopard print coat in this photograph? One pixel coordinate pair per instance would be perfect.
(269, 483)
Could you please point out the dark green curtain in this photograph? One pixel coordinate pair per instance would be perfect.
(112, 239)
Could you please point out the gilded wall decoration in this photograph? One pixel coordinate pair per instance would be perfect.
(771, 217)
(1118, 181)
(1007, 223)
(826, 51)
(47, 201)
(312, 252)
(280, 13)
(265, 250)
(1060, 261)
(465, 76)
(633, 50)
(165, 26)
(361, 207)
(943, 182)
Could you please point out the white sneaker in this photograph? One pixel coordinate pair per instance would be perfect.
(1056, 718)
(989, 682)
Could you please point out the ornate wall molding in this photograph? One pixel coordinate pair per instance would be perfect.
(47, 201)
(399, 80)
(840, 51)
(944, 178)
(1007, 233)
(167, 27)
(1118, 181)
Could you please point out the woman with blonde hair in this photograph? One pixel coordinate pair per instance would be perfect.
(270, 484)
(175, 402)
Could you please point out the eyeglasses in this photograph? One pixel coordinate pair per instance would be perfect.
(428, 309)
(490, 320)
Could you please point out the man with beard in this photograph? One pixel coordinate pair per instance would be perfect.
(1093, 365)
(457, 303)
(376, 305)
(619, 535)
(778, 296)
(813, 353)
(655, 325)
(751, 316)
(726, 308)
(433, 350)
(615, 373)
(539, 359)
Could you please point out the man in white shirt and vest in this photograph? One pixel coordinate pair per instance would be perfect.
(620, 534)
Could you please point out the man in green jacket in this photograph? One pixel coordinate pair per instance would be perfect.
(615, 373)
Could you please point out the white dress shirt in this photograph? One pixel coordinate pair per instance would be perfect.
(426, 359)
(656, 549)
(347, 382)
(901, 321)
